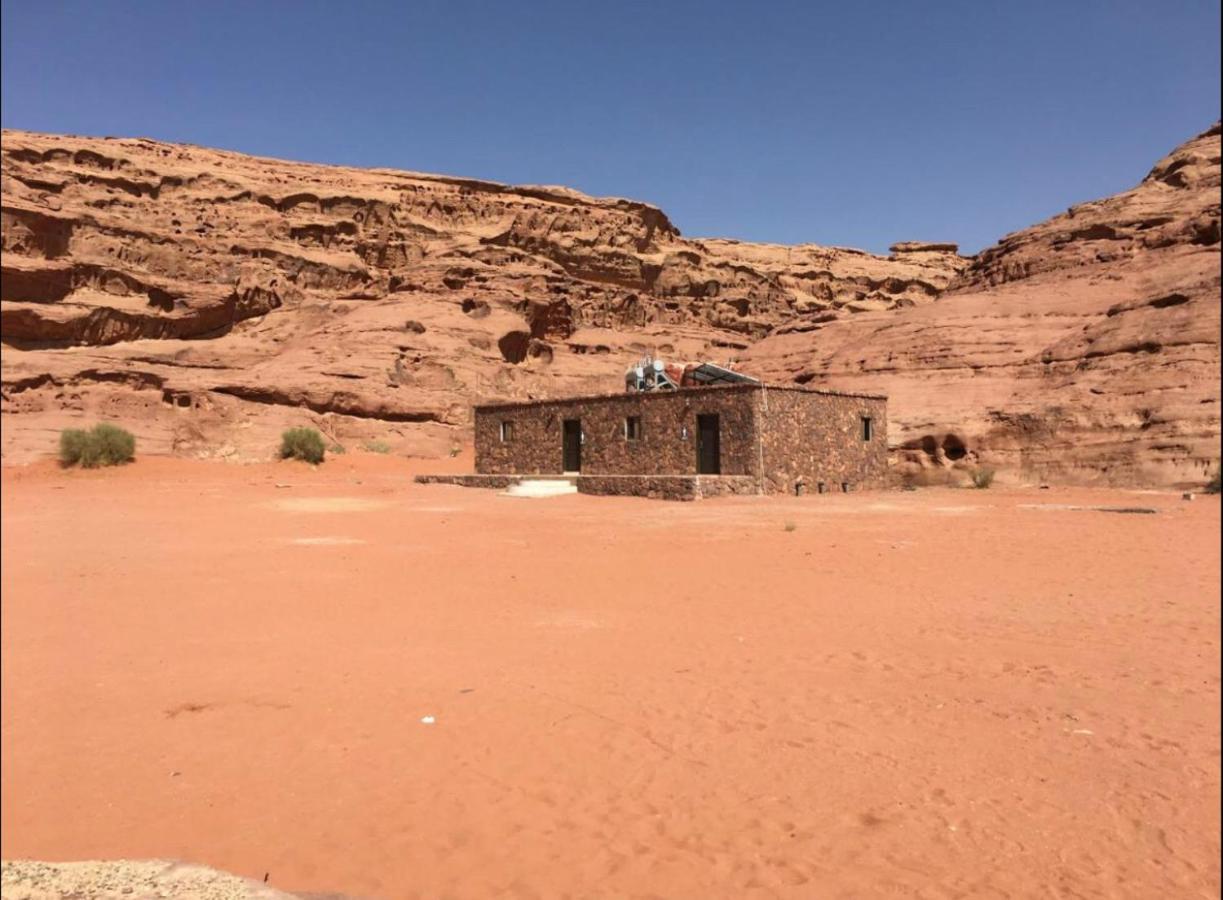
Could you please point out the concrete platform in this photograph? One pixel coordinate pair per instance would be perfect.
(540, 488)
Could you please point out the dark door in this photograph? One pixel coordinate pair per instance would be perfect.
(573, 445)
(708, 445)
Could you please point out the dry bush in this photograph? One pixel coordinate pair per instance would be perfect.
(982, 478)
(102, 445)
(302, 443)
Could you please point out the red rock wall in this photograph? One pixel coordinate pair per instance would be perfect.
(1083, 349)
(373, 304)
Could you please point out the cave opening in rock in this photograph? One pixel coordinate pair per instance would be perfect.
(953, 448)
(514, 345)
(477, 309)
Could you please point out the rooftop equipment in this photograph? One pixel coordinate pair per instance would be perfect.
(650, 374)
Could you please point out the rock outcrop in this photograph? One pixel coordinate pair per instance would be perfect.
(207, 298)
(1085, 348)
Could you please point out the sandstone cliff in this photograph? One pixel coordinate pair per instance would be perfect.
(207, 298)
(1083, 348)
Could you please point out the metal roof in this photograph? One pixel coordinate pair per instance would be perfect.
(709, 373)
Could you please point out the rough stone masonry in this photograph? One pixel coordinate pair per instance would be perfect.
(785, 439)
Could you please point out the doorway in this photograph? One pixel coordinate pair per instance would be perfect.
(571, 445)
(708, 445)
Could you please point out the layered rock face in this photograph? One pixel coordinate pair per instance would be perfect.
(207, 299)
(1085, 348)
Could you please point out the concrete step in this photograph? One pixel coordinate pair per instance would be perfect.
(552, 487)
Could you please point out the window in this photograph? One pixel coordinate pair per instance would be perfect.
(632, 428)
(868, 428)
(507, 432)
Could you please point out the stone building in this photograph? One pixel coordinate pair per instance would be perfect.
(687, 443)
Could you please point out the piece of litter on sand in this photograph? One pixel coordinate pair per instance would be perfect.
(284, 485)
(427, 720)
(1082, 731)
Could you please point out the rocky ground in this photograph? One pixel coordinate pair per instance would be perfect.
(127, 880)
(207, 299)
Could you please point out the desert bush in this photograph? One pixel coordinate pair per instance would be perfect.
(376, 447)
(455, 451)
(302, 443)
(982, 478)
(112, 445)
(790, 526)
(72, 443)
(337, 448)
(102, 445)
(1213, 486)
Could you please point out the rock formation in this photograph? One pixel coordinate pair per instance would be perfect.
(1085, 348)
(207, 299)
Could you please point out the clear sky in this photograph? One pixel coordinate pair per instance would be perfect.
(850, 123)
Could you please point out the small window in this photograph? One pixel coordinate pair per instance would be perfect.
(632, 428)
(868, 428)
(507, 432)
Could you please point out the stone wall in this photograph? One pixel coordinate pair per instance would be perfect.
(655, 487)
(667, 445)
(669, 487)
(808, 437)
(782, 437)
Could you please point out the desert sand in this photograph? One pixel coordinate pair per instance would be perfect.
(344, 681)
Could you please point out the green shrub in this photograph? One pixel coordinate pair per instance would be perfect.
(982, 478)
(112, 445)
(455, 451)
(337, 449)
(1213, 486)
(72, 443)
(302, 443)
(376, 446)
(102, 445)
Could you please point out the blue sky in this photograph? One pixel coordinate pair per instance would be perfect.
(857, 124)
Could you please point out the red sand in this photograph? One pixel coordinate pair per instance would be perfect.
(935, 694)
